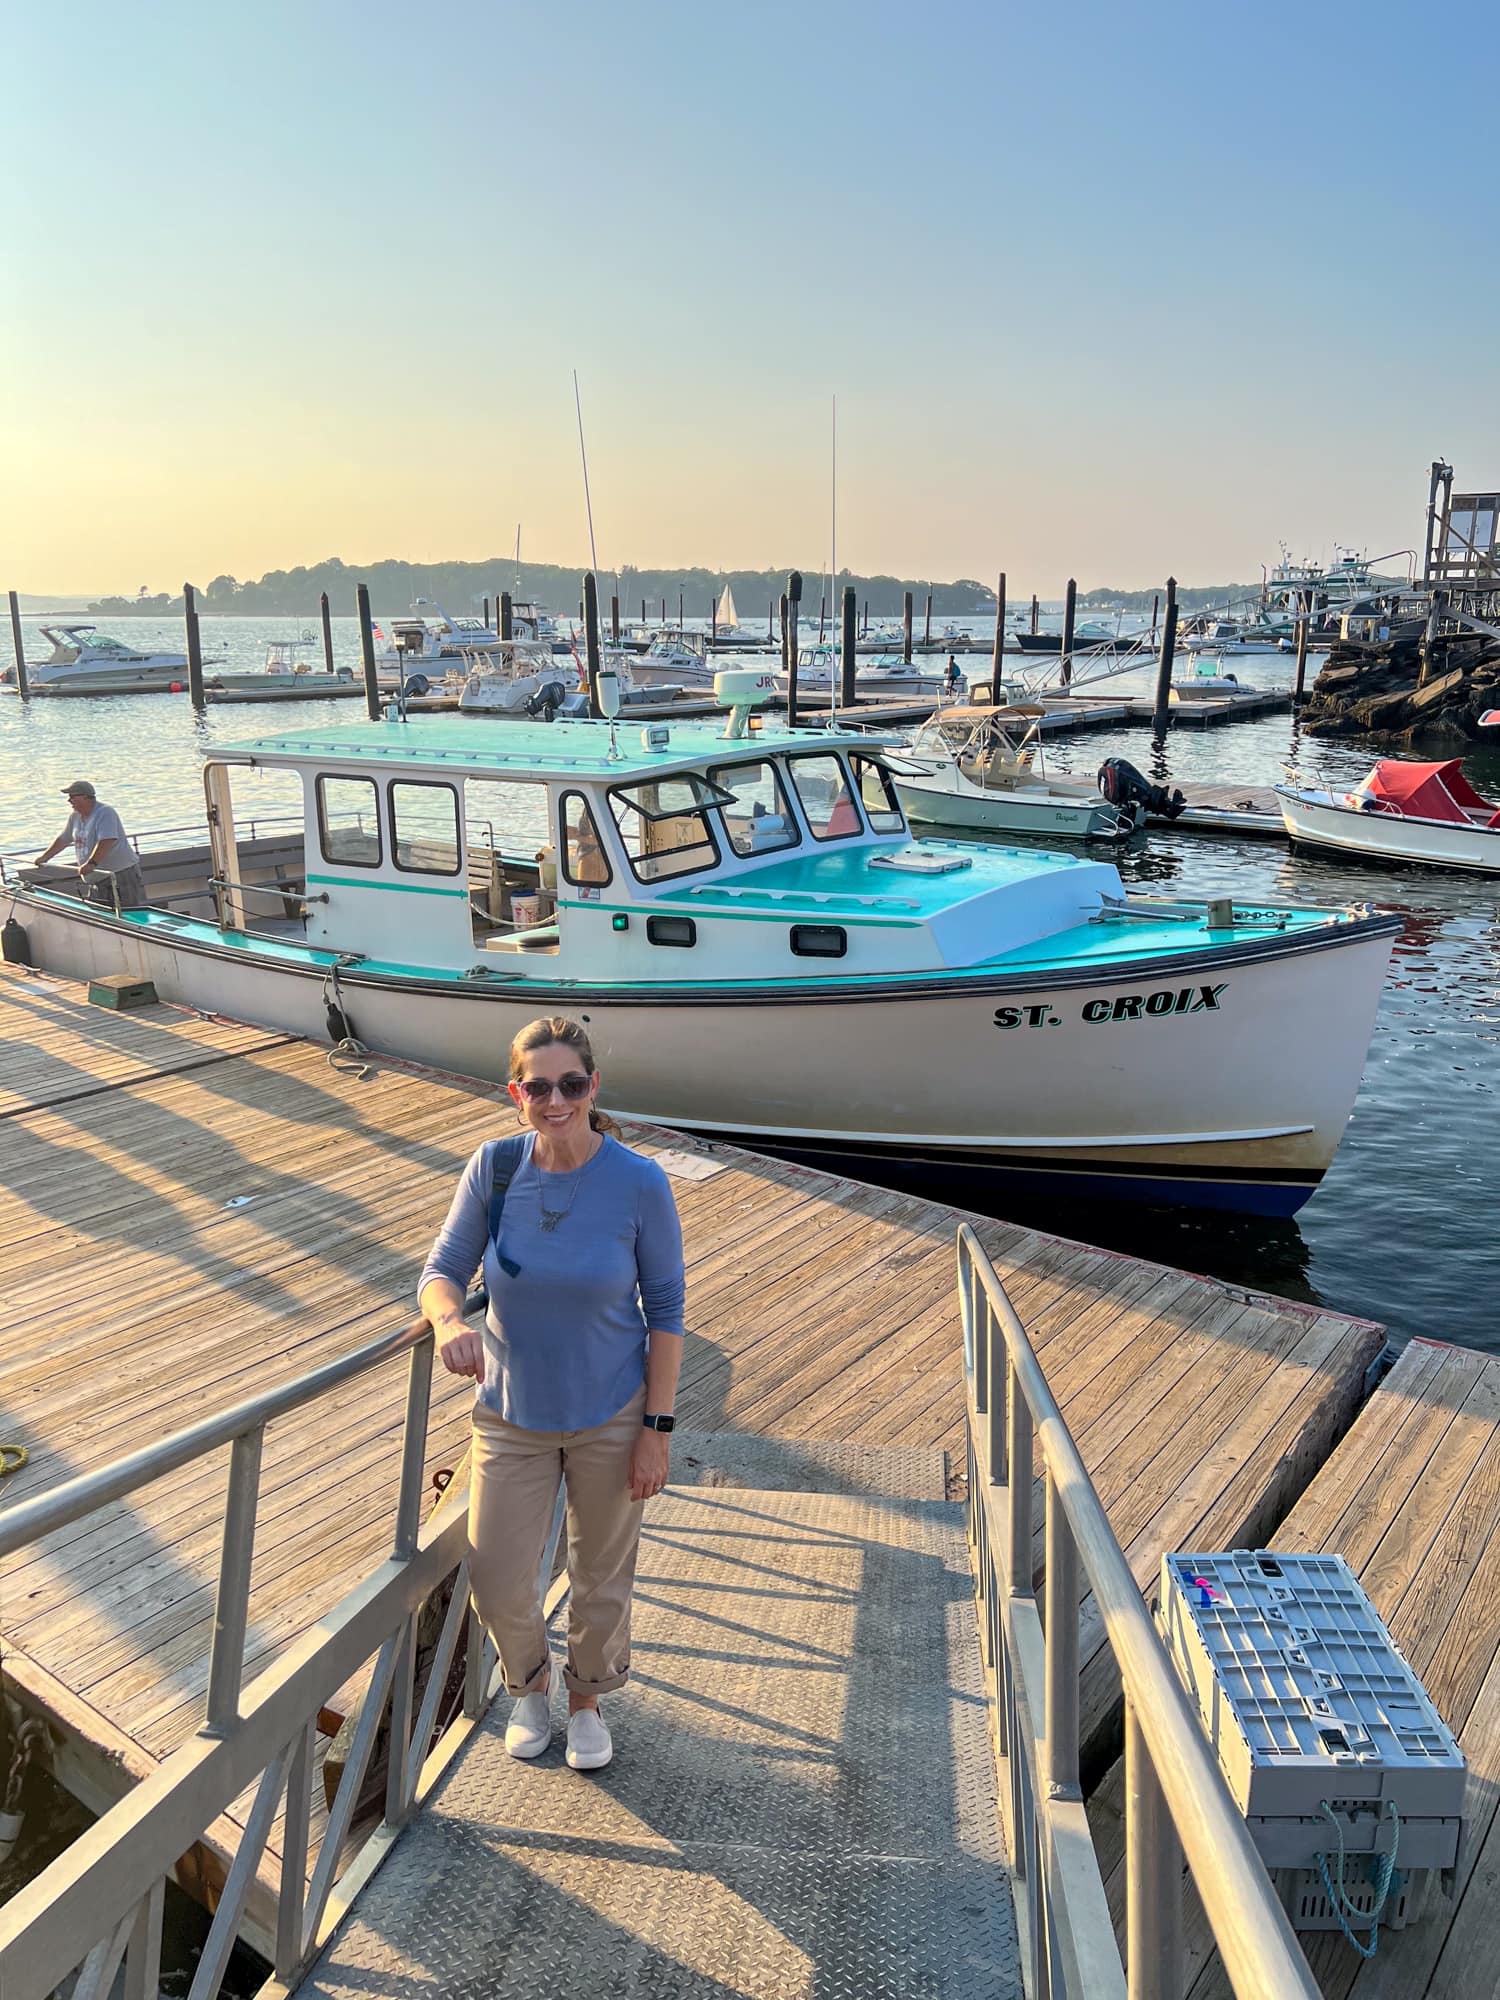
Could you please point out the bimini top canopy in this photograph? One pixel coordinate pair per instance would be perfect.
(1425, 791)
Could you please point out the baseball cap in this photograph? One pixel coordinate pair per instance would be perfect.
(80, 785)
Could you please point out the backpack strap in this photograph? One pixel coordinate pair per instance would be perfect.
(504, 1159)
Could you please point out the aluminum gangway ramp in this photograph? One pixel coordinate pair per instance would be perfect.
(803, 1798)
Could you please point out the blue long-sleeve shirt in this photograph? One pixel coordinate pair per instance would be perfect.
(565, 1334)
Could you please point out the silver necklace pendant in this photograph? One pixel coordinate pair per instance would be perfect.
(551, 1217)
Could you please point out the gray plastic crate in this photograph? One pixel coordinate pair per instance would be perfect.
(1305, 1699)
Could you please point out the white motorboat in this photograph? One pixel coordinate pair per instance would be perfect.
(426, 643)
(966, 769)
(85, 660)
(1209, 680)
(683, 659)
(760, 948)
(1426, 813)
(886, 677)
(1228, 635)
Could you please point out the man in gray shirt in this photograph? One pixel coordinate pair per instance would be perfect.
(109, 868)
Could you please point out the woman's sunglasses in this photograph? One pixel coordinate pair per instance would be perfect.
(540, 1088)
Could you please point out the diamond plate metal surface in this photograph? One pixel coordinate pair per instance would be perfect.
(801, 1806)
(805, 1465)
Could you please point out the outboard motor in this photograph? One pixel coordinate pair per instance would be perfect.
(1122, 784)
(547, 700)
(418, 684)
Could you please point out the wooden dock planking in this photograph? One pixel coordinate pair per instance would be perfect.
(1411, 1498)
(822, 1309)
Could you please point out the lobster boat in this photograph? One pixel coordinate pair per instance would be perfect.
(1427, 813)
(759, 945)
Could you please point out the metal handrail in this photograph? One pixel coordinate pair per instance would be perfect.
(1177, 1801)
(107, 1887)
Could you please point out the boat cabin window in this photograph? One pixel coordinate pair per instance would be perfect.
(827, 802)
(664, 825)
(760, 820)
(585, 862)
(506, 827)
(877, 794)
(424, 827)
(349, 821)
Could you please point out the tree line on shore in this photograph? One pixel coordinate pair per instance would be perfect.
(462, 587)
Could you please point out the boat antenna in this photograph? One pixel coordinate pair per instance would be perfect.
(835, 610)
(583, 454)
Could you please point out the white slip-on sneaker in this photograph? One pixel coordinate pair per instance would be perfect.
(589, 1745)
(529, 1729)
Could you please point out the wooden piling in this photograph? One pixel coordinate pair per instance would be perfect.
(327, 620)
(822, 614)
(486, 614)
(771, 629)
(1035, 608)
(23, 685)
(591, 640)
(1155, 612)
(681, 622)
(1162, 711)
(507, 617)
(664, 614)
(997, 668)
(906, 626)
(1070, 606)
(1303, 619)
(848, 651)
(713, 622)
(643, 614)
(194, 647)
(367, 653)
(614, 618)
(793, 603)
(927, 622)
(864, 630)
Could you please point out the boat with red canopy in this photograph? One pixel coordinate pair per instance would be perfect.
(1401, 812)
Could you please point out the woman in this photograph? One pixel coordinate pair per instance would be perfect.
(578, 1366)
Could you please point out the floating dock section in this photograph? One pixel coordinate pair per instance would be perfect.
(191, 1210)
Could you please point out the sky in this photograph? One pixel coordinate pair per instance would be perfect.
(1101, 292)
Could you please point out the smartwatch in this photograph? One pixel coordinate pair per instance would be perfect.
(659, 1423)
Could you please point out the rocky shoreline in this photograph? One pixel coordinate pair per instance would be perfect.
(1375, 691)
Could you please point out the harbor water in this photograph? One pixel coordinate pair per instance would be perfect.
(1399, 1229)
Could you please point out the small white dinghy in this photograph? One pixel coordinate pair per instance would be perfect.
(1401, 812)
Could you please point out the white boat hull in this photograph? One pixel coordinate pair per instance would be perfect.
(1315, 819)
(1222, 1078)
(158, 673)
(1034, 811)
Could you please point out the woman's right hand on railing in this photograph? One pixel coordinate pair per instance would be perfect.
(460, 1348)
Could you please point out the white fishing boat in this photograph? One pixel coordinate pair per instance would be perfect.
(84, 660)
(1427, 813)
(967, 769)
(760, 949)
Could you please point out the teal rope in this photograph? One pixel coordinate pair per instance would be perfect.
(1343, 1909)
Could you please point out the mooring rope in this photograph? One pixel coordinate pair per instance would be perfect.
(1343, 1909)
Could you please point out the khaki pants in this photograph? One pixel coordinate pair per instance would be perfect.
(512, 1492)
